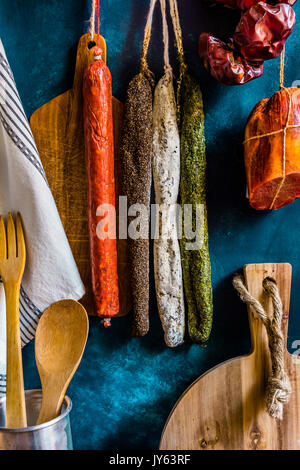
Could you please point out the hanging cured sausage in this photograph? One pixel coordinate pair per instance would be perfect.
(99, 148)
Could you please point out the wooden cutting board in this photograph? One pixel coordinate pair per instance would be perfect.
(225, 408)
(58, 131)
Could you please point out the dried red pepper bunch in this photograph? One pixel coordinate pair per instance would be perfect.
(224, 64)
(233, 4)
(289, 2)
(259, 36)
(242, 4)
(263, 30)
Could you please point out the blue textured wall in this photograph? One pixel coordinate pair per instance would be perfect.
(125, 388)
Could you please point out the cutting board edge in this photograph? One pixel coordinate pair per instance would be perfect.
(56, 98)
(217, 366)
(268, 264)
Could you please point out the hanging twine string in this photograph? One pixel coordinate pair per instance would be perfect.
(281, 77)
(167, 66)
(281, 85)
(95, 13)
(177, 32)
(278, 389)
(144, 69)
(179, 46)
(98, 21)
(282, 131)
(92, 20)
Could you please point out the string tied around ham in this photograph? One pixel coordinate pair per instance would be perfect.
(278, 388)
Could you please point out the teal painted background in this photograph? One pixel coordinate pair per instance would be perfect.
(125, 388)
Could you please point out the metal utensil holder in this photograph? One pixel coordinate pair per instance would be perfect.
(53, 435)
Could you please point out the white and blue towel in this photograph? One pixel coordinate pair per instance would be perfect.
(50, 273)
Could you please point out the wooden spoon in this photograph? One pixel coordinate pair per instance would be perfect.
(59, 344)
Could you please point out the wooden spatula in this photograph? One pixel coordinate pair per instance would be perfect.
(58, 131)
(225, 408)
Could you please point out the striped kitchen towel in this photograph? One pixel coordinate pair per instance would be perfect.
(50, 273)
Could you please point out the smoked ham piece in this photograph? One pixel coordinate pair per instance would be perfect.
(272, 150)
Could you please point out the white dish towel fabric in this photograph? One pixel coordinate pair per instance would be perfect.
(50, 273)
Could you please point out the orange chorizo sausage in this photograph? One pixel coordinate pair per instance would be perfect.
(99, 150)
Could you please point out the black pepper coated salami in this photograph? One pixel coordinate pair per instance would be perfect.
(135, 159)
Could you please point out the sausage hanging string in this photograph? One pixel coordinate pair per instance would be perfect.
(282, 58)
(278, 388)
(167, 66)
(147, 35)
(95, 13)
(179, 45)
(98, 22)
(92, 20)
(177, 30)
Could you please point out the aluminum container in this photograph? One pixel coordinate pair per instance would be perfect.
(53, 435)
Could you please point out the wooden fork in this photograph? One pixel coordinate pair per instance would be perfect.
(12, 264)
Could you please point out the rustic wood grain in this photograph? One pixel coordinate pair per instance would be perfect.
(12, 264)
(225, 408)
(58, 131)
(59, 345)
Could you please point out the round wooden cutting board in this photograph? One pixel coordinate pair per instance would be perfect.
(224, 409)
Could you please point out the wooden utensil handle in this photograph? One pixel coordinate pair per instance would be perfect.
(254, 276)
(52, 401)
(15, 396)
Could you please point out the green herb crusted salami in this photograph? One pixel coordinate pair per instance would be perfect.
(195, 263)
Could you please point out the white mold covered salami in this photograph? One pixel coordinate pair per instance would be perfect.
(166, 175)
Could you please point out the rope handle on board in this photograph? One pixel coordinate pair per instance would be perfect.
(279, 388)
